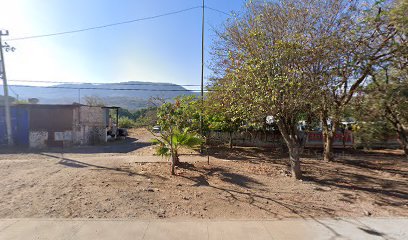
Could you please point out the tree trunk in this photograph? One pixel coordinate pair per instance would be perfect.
(403, 138)
(295, 162)
(401, 130)
(328, 148)
(176, 157)
(173, 164)
(328, 138)
(230, 140)
(292, 142)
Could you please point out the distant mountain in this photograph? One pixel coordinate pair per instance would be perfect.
(125, 97)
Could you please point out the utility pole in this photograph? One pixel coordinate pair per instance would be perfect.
(79, 95)
(202, 54)
(202, 76)
(6, 96)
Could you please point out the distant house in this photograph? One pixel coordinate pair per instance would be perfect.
(44, 125)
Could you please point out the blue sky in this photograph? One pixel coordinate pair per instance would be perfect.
(166, 49)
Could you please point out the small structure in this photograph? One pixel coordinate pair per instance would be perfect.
(45, 125)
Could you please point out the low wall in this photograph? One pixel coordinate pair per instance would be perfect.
(38, 139)
(247, 139)
(314, 139)
(274, 139)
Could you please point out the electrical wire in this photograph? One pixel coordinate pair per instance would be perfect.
(216, 10)
(104, 26)
(12, 91)
(115, 24)
(125, 84)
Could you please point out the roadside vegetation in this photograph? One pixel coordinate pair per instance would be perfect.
(288, 68)
(319, 62)
(277, 64)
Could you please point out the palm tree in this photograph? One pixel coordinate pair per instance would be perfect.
(170, 143)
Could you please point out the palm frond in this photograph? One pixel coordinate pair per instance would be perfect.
(163, 151)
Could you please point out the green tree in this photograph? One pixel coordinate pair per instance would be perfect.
(170, 142)
(218, 116)
(183, 113)
(125, 122)
(387, 94)
(94, 101)
(387, 99)
(260, 61)
(180, 124)
(361, 40)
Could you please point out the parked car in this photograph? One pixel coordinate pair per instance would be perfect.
(156, 129)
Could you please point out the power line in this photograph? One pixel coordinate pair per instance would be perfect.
(216, 10)
(109, 89)
(13, 91)
(116, 24)
(104, 26)
(95, 83)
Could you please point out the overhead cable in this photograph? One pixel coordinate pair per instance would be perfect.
(103, 26)
(114, 24)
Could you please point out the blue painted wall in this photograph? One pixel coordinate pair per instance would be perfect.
(20, 126)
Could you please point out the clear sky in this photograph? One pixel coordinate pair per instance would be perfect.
(166, 49)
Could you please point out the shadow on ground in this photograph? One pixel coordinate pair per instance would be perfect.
(118, 146)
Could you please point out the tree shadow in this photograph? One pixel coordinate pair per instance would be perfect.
(361, 176)
(252, 154)
(119, 146)
(372, 232)
(223, 174)
(246, 190)
(386, 166)
(78, 164)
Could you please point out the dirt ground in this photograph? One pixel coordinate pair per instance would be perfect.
(124, 180)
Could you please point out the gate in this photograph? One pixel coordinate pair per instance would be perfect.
(19, 126)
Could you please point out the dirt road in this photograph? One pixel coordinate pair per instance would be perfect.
(125, 180)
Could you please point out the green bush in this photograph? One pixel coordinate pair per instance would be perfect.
(125, 122)
(372, 134)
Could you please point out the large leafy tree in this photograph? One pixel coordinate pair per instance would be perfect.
(386, 96)
(362, 39)
(219, 117)
(387, 99)
(260, 61)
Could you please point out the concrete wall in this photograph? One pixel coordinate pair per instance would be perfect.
(38, 139)
(247, 139)
(48, 124)
(272, 139)
(54, 126)
(89, 125)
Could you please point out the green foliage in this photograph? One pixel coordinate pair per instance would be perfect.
(184, 113)
(386, 100)
(180, 124)
(169, 143)
(261, 60)
(372, 134)
(22, 101)
(399, 15)
(125, 122)
(141, 118)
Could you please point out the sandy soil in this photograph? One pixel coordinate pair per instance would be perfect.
(124, 180)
